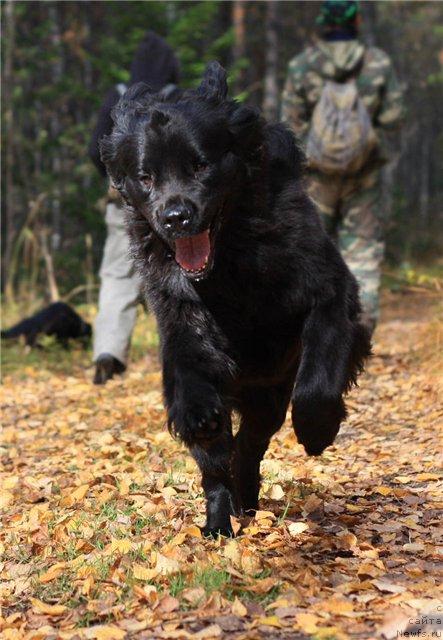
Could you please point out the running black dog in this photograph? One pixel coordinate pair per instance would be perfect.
(255, 306)
(58, 319)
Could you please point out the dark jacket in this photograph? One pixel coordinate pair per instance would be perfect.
(154, 63)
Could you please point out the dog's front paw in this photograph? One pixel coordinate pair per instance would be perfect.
(316, 422)
(215, 532)
(197, 418)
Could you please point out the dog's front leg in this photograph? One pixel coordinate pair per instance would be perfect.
(214, 461)
(333, 349)
(196, 374)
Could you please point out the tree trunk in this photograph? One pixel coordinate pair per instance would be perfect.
(8, 71)
(56, 128)
(239, 48)
(50, 273)
(424, 176)
(271, 94)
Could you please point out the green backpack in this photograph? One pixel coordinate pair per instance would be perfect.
(341, 136)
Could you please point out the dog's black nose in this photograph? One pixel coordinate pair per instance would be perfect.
(177, 217)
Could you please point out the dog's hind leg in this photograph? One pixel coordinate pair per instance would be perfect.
(31, 339)
(214, 460)
(263, 411)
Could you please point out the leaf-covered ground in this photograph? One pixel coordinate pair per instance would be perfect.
(101, 507)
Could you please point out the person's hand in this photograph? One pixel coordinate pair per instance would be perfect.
(113, 194)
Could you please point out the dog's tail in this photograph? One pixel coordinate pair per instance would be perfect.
(19, 329)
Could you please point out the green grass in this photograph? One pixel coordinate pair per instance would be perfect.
(177, 584)
(60, 589)
(409, 274)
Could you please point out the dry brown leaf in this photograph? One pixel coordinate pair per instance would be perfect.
(238, 608)
(388, 587)
(296, 528)
(312, 504)
(72, 497)
(261, 586)
(212, 631)
(347, 540)
(166, 566)
(264, 515)
(48, 609)
(250, 562)
(307, 622)
(194, 596)
(104, 632)
(232, 552)
(6, 498)
(147, 593)
(269, 621)
(141, 572)
(366, 570)
(336, 606)
(120, 546)
(53, 572)
(394, 623)
(277, 492)
(167, 604)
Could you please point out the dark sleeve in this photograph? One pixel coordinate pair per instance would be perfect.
(102, 128)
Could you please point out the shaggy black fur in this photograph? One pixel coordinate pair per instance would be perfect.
(58, 319)
(273, 315)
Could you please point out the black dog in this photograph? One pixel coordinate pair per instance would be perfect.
(58, 319)
(255, 306)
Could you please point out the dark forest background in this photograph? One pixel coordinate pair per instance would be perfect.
(59, 59)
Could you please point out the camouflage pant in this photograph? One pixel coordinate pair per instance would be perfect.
(351, 209)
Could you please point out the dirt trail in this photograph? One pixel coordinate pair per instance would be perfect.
(100, 507)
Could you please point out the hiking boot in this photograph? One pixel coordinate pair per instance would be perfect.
(106, 366)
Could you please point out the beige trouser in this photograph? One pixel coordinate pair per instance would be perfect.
(119, 291)
(353, 213)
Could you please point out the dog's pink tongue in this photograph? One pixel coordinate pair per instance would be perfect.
(192, 253)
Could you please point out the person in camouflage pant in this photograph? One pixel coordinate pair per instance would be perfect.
(351, 205)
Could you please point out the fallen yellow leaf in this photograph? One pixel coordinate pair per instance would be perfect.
(307, 622)
(52, 573)
(238, 608)
(48, 609)
(104, 632)
(270, 621)
(119, 545)
(143, 573)
(72, 497)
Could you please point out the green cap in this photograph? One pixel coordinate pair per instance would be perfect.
(338, 12)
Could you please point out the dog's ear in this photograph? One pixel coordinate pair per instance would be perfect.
(140, 91)
(213, 84)
(158, 119)
(132, 104)
(246, 125)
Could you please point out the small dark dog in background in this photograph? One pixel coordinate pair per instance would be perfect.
(255, 306)
(58, 319)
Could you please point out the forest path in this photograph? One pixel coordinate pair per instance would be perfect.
(100, 506)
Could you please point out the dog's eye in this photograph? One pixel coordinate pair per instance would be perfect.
(200, 168)
(146, 179)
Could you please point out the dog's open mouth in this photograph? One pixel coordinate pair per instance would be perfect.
(193, 253)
